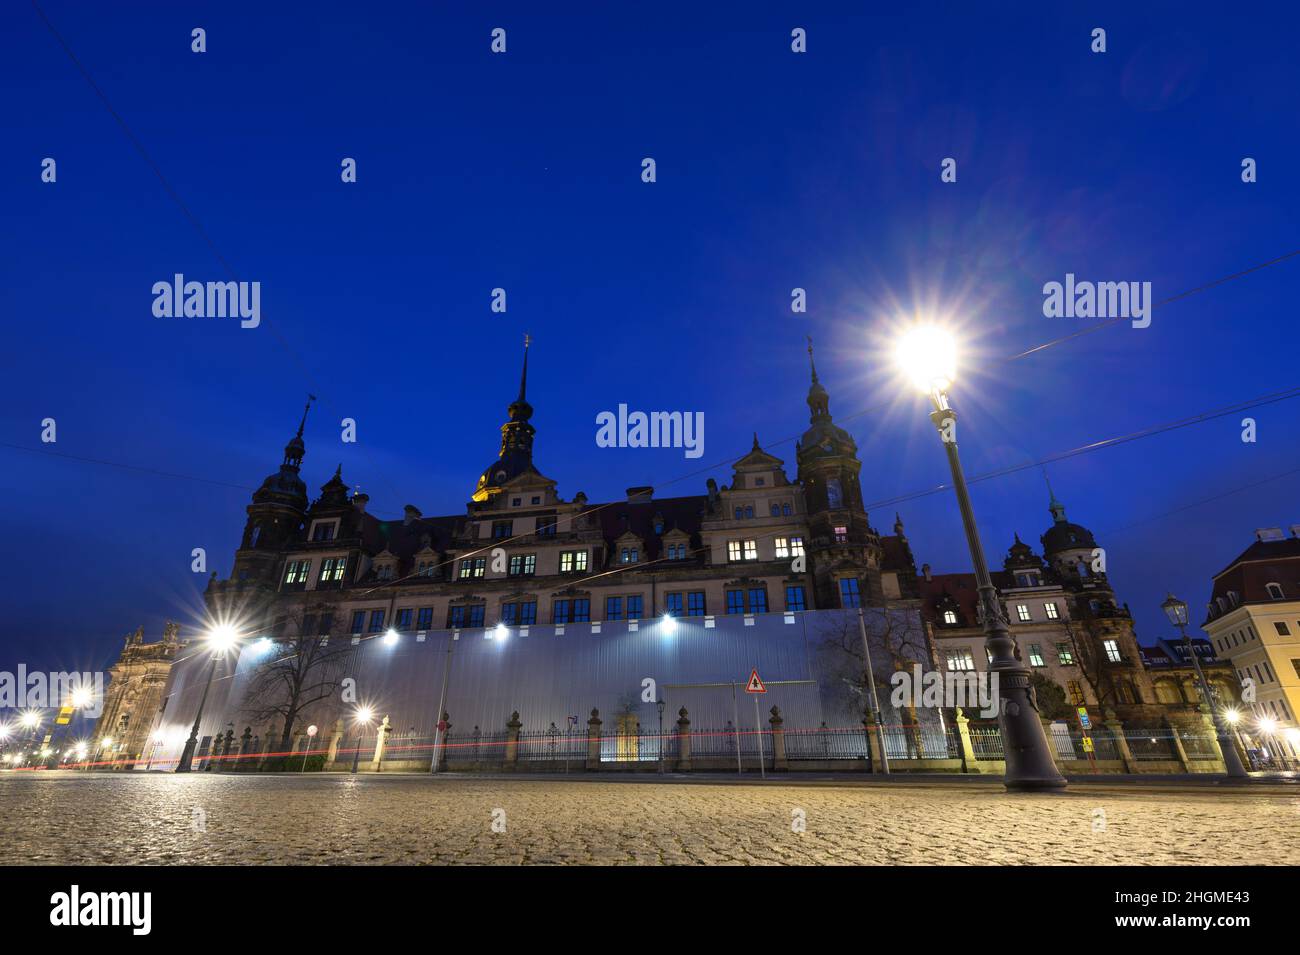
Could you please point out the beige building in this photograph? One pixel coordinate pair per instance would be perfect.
(133, 697)
(1253, 621)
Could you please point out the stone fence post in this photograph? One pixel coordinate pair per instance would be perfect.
(385, 727)
(1178, 746)
(245, 748)
(512, 741)
(1116, 728)
(336, 739)
(593, 740)
(875, 740)
(683, 741)
(779, 762)
(969, 764)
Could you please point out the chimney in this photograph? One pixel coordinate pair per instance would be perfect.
(359, 501)
(925, 571)
(1268, 534)
(412, 514)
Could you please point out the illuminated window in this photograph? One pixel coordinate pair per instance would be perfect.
(1112, 650)
(1022, 612)
(950, 616)
(960, 659)
(841, 535)
(572, 560)
(296, 571)
(523, 565)
(331, 569)
(1036, 655)
(472, 567)
(1076, 693)
(1064, 655)
(1052, 612)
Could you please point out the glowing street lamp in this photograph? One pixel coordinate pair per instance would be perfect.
(364, 716)
(1176, 611)
(221, 639)
(391, 637)
(927, 356)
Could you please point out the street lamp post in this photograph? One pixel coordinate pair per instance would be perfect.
(660, 707)
(928, 355)
(220, 640)
(1176, 611)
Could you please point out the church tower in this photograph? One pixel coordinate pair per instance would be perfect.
(844, 551)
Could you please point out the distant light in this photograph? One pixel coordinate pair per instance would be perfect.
(390, 637)
(106, 742)
(31, 718)
(502, 631)
(81, 749)
(927, 355)
(312, 730)
(1232, 716)
(669, 623)
(222, 637)
(364, 715)
(5, 731)
(82, 697)
(1267, 724)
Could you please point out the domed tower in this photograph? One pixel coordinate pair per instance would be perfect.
(1069, 548)
(516, 457)
(844, 552)
(275, 517)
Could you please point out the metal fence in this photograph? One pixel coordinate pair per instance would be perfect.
(921, 741)
(825, 743)
(1200, 746)
(553, 744)
(1156, 744)
(474, 747)
(986, 741)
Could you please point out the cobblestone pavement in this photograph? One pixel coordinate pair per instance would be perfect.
(90, 818)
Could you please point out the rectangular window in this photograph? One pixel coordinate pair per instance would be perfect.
(634, 607)
(695, 604)
(358, 621)
(794, 599)
(296, 572)
(841, 535)
(735, 601)
(331, 569)
(527, 613)
(573, 560)
(472, 567)
(1052, 612)
(629, 555)
(782, 546)
(733, 550)
(510, 614)
(1282, 629)
(1112, 650)
(849, 596)
(751, 550)
(758, 600)
(673, 605)
(546, 526)
(324, 531)
(1076, 693)
(1064, 655)
(1022, 612)
(571, 611)
(502, 529)
(1036, 655)
(613, 608)
(960, 659)
(424, 619)
(376, 621)
(404, 617)
(581, 611)
(523, 565)
(476, 615)
(456, 617)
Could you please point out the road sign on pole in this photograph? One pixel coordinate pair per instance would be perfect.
(755, 685)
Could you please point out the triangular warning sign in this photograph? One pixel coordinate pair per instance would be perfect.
(755, 684)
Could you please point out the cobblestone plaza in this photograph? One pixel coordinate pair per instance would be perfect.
(337, 819)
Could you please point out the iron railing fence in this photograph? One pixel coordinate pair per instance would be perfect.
(1199, 746)
(920, 741)
(986, 741)
(474, 747)
(826, 743)
(553, 744)
(1153, 744)
(409, 745)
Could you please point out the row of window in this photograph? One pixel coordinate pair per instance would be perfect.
(332, 570)
(1022, 613)
(959, 658)
(746, 512)
(564, 610)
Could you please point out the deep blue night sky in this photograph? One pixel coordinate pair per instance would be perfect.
(522, 170)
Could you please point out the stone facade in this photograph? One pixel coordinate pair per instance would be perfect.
(134, 696)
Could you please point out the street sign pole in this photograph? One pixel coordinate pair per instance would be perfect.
(758, 726)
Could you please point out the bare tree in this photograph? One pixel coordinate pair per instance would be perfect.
(1091, 660)
(897, 639)
(300, 669)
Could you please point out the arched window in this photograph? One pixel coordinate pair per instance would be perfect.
(950, 616)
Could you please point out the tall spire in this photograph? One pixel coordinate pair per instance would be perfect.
(303, 423)
(523, 378)
(819, 402)
(1056, 507)
(295, 449)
